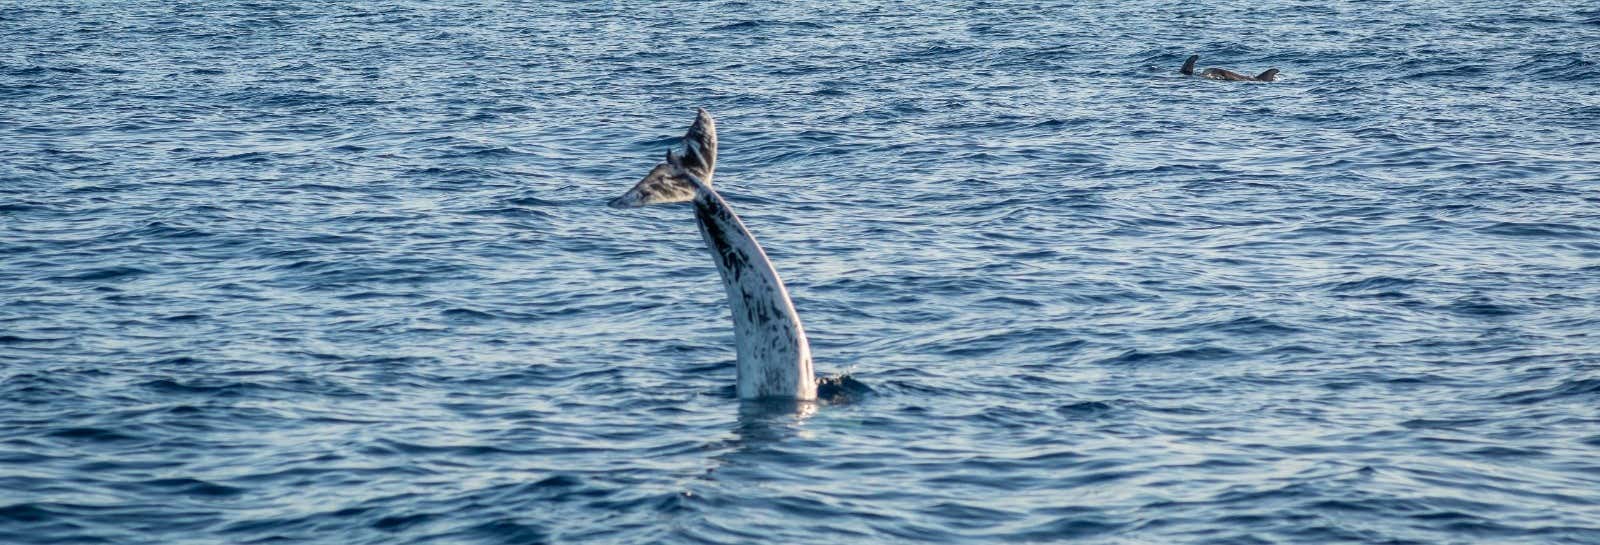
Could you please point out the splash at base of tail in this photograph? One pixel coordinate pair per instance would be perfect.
(841, 389)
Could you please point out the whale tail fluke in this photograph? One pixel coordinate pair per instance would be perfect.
(1188, 65)
(1269, 75)
(674, 179)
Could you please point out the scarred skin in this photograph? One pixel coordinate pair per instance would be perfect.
(774, 357)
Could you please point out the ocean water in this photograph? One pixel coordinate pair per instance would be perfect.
(337, 273)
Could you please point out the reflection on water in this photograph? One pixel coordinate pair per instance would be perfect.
(767, 421)
(757, 451)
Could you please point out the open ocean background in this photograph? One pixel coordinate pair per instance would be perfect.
(339, 273)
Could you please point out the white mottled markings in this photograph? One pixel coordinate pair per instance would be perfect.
(774, 357)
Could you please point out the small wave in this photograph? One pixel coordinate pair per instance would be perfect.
(1081, 526)
(1444, 424)
(27, 512)
(507, 530)
(497, 151)
(1562, 67)
(157, 230)
(20, 207)
(399, 523)
(757, 25)
(91, 434)
(1374, 283)
(1542, 230)
(209, 388)
(1584, 390)
(1086, 409)
(107, 273)
(242, 157)
(191, 486)
(466, 314)
(1431, 71)
(1479, 305)
(1140, 357)
(741, 25)
(1248, 326)
(17, 339)
(25, 71)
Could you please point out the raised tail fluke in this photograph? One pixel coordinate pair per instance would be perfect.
(774, 358)
(673, 180)
(1188, 65)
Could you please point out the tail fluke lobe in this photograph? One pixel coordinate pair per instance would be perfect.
(1188, 65)
(674, 179)
(658, 187)
(699, 155)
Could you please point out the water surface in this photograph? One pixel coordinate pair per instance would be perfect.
(328, 273)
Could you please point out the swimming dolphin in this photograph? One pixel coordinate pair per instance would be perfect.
(1218, 73)
(774, 358)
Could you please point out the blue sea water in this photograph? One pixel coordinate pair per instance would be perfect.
(341, 273)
